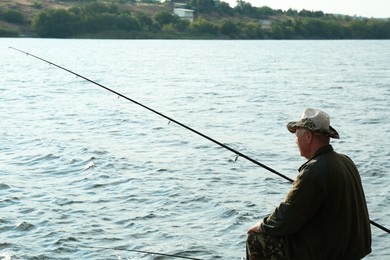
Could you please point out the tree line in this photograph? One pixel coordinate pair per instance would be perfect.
(110, 20)
(13, 17)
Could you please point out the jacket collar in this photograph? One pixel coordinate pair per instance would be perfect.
(326, 149)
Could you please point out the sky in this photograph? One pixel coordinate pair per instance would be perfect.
(365, 8)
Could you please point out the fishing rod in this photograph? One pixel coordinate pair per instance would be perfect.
(238, 154)
(143, 252)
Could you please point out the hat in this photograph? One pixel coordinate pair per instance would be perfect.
(314, 120)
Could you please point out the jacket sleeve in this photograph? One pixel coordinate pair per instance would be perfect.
(301, 203)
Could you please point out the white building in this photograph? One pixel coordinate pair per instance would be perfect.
(184, 13)
(266, 24)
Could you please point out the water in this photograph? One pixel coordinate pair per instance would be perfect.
(83, 169)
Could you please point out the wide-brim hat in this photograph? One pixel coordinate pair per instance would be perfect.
(314, 120)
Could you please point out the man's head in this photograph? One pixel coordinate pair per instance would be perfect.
(312, 131)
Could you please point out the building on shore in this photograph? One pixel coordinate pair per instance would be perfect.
(180, 10)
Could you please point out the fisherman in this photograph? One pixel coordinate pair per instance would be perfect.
(324, 215)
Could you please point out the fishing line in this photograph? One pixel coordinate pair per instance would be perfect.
(238, 154)
(141, 251)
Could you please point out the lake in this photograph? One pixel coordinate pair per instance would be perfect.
(86, 174)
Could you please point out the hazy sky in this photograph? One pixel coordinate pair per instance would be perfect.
(366, 8)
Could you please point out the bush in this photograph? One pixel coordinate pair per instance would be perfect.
(229, 28)
(8, 33)
(55, 23)
(12, 16)
(201, 26)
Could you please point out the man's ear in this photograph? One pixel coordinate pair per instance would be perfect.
(309, 136)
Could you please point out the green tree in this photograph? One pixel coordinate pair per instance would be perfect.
(245, 8)
(264, 12)
(203, 5)
(379, 29)
(100, 22)
(149, 1)
(201, 26)
(282, 30)
(12, 16)
(8, 33)
(182, 25)
(128, 23)
(306, 13)
(335, 30)
(229, 28)
(359, 29)
(164, 17)
(224, 8)
(314, 28)
(252, 30)
(169, 28)
(145, 21)
(291, 12)
(54, 24)
(100, 8)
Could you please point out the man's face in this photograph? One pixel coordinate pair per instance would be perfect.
(302, 140)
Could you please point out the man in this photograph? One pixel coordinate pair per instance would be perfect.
(324, 215)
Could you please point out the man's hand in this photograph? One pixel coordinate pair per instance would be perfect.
(255, 229)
